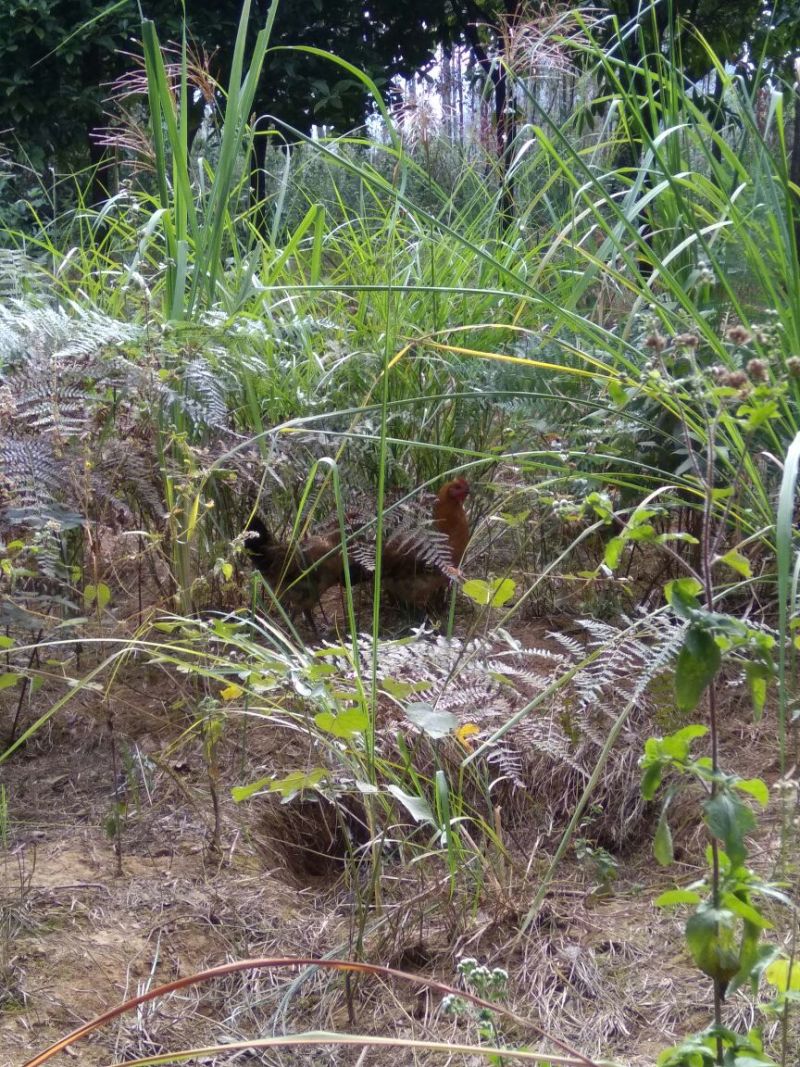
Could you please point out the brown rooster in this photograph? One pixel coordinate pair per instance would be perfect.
(417, 570)
(300, 572)
(416, 563)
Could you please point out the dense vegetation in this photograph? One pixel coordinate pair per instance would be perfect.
(594, 317)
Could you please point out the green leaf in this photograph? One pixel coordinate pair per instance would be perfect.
(402, 690)
(641, 517)
(96, 594)
(503, 590)
(432, 722)
(746, 911)
(684, 737)
(315, 672)
(711, 937)
(8, 678)
(651, 780)
(514, 518)
(644, 532)
(698, 662)
(6, 642)
(677, 896)
(758, 676)
(494, 593)
(344, 725)
(417, 807)
(755, 415)
(662, 842)
(737, 562)
(617, 393)
(244, 792)
(754, 787)
(681, 595)
(683, 537)
(677, 745)
(613, 552)
(367, 788)
(478, 590)
(784, 975)
(297, 781)
(729, 819)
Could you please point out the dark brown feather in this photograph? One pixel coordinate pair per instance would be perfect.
(405, 573)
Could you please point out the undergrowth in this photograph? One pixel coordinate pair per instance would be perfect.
(614, 367)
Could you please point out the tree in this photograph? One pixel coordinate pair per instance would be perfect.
(58, 58)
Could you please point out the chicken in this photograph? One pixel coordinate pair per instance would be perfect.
(417, 569)
(301, 572)
(417, 563)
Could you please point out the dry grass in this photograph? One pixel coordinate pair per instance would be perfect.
(600, 968)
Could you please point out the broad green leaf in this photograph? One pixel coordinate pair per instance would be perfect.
(755, 787)
(432, 722)
(755, 415)
(316, 671)
(711, 937)
(367, 788)
(681, 594)
(651, 780)
(662, 842)
(478, 590)
(677, 896)
(417, 807)
(344, 725)
(746, 911)
(737, 562)
(641, 516)
(677, 745)
(613, 552)
(784, 975)
(494, 593)
(8, 678)
(6, 642)
(687, 734)
(502, 591)
(729, 819)
(758, 676)
(644, 532)
(684, 538)
(244, 792)
(401, 690)
(617, 393)
(514, 518)
(96, 594)
(297, 781)
(698, 662)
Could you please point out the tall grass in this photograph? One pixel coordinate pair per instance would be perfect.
(386, 321)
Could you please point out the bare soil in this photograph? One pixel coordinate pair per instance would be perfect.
(90, 917)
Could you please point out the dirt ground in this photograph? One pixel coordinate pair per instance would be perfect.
(91, 917)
